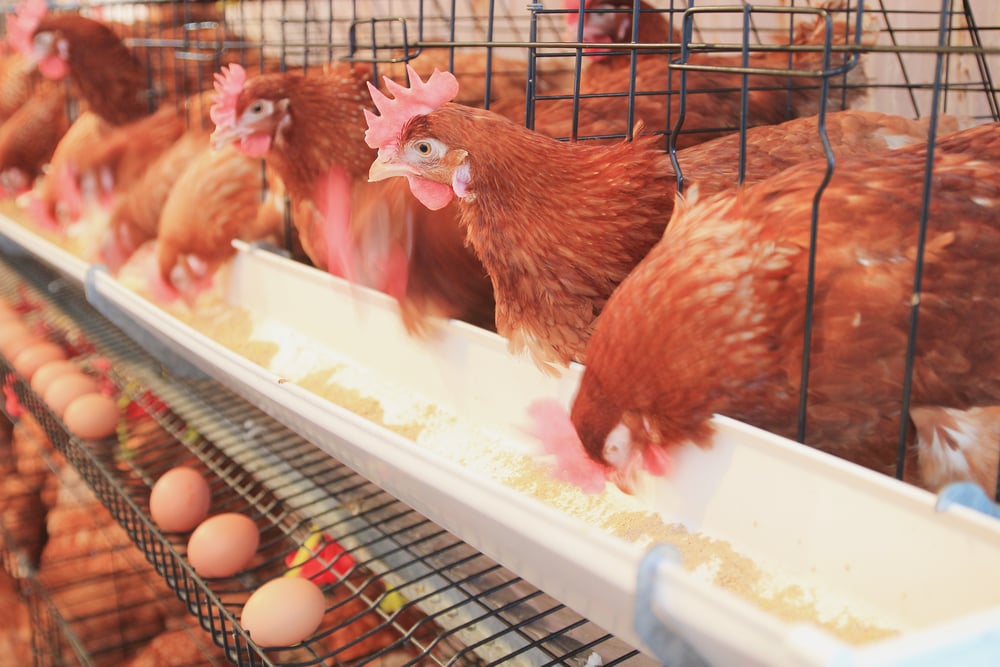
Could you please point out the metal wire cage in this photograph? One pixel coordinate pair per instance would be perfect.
(399, 589)
(458, 607)
(925, 61)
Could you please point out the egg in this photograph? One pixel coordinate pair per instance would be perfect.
(222, 545)
(283, 612)
(31, 358)
(92, 416)
(179, 500)
(62, 390)
(14, 345)
(11, 329)
(49, 371)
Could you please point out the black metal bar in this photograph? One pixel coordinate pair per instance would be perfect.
(807, 329)
(918, 270)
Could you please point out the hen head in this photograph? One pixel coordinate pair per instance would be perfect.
(586, 460)
(604, 21)
(47, 49)
(248, 114)
(406, 144)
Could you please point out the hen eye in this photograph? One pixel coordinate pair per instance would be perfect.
(426, 150)
(256, 107)
(42, 40)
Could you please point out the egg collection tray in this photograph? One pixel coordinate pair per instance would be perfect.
(405, 590)
(851, 542)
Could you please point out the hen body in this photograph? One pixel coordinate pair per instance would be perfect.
(30, 136)
(310, 130)
(17, 78)
(213, 201)
(712, 320)
(105, 74)
(63, 194)
(713, 104)
(135, 215)
(123, 158)
(559, 225)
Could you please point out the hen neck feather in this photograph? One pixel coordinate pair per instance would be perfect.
(326, 130)
(525, 184)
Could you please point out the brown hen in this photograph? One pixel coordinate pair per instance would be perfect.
(712, 320)
(104, 73)
(713, 102)
(17, 79)
(310, 130)
(214, 200)
(558, 225)
(135, 214)
(67, 191)
(30, 136)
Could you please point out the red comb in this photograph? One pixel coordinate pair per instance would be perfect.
(228, 86)
(422, 97)
(21, 27)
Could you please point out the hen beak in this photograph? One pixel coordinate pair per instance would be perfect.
(623, 457)
(384, 167)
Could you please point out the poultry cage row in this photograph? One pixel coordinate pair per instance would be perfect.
(926, 61)
(930, 61)
(186, 43)
(404, 591)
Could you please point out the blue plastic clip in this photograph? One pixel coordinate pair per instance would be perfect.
(668, 647)
(969, 495)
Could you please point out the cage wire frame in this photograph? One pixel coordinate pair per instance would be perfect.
(388, 32)
(955, 19)
(941, 82)
(53, 586)
(457, 606)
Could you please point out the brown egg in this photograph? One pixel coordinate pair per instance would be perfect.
(11, 329)
(31, 358)
(49, 371)
(179, 500)
(62, 390)
(92, 416)
(283, 612)
(14, 345)
(222, 545)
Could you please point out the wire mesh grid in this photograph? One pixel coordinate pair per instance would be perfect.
(399, 589)
(90, 596)
(539, 46)
(927, 59)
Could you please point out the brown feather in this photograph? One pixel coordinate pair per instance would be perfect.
(712, 320)
(106, 74)
(713, 103)
(30, 136)
(214, 200)
(325, 128)
(558, 225)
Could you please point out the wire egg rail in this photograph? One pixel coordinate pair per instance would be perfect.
(437, 599)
